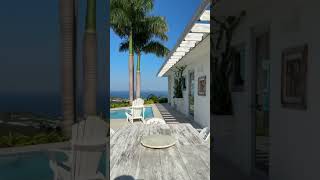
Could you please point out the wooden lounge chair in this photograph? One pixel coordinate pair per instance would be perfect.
(136, 111)
(87, 146)
(205, 134)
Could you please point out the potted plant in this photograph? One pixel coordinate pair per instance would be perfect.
(178, 102)
(222, 55)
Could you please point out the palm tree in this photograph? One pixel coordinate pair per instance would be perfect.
(153, 28)
(90, 60)
(125, 17)
(67, 20)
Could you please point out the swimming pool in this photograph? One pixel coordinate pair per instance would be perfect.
(32, 166)
(120, 113)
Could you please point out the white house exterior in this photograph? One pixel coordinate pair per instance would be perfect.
(198, 62)
(192, 51)
(293, 140)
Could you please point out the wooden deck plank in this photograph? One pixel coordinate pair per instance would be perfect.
(117, 137)
(176, 132)
(203, 153)
(129, 158)
(197, 168)
(173, 167)
(120, 155)
(137, 152)
(184, 134)
(149, 164)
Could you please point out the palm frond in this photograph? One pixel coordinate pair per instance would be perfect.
(156, 48)
(120, 20)
(132, 16)
(124, 46)
(157, 25)
(144, 5)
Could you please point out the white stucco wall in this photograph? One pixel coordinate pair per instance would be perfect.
(295, 146)
(198, 61)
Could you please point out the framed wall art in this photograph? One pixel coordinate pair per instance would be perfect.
(202, 86)
(294, 77)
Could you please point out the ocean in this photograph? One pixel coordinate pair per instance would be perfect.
(51, 104)
(41, 104)
(144, 94)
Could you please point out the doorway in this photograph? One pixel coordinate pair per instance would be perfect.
(191, 93)
(260, 108)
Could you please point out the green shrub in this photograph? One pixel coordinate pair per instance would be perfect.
(23, 140)
(178, 81)
(16, 139)
(56, 137)
(163, 100)
(39, 139)
(119, 104)
(9, 140)
(153, 97)
(149, 101)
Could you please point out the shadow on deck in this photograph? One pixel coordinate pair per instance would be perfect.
(171, 116)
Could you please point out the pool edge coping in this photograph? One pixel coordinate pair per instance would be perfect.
(156, 112)
(119, 108)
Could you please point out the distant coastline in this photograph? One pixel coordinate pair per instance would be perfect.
(144, 94)
(50, 104)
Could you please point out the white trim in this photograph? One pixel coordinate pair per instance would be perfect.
(201, 28)
(205, 16)
(190, 38)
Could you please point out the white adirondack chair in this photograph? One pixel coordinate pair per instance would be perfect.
(136, 110)
(87, 145)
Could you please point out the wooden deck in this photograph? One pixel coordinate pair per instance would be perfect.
(171, 116)
(189, 158)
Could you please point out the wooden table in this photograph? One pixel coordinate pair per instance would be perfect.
(189, 158)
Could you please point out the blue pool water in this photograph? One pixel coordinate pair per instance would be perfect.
(120, 114)
(32, 166)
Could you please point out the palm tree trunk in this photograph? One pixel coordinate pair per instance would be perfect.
(90, 60)
(138, 82)
(67, 58)
(131, 68)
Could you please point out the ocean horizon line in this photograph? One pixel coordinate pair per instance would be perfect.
(144, 94)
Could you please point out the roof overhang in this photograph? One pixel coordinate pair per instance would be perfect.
(197, 29)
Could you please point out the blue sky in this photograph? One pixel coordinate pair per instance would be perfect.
(178, 13)
(30, 46)
(30, 64)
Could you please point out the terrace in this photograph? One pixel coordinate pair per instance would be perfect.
(167, 144)
(163, 111)
(189, 158)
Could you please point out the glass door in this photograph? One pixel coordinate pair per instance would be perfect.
(261, 105)
(191, 94)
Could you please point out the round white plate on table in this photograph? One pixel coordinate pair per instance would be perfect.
(158, 141)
